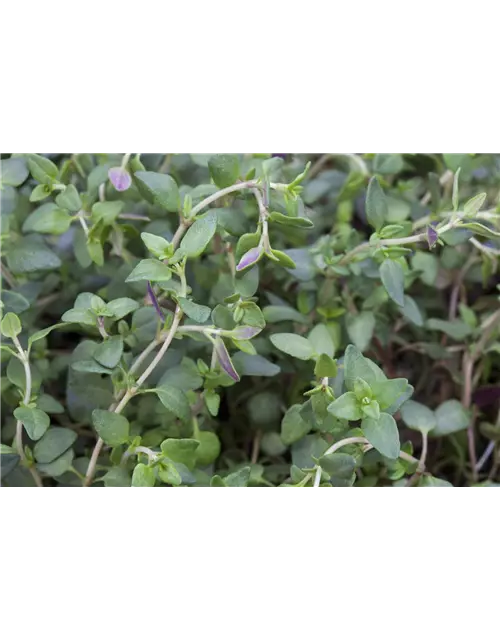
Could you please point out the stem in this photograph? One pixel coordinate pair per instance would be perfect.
(344, 443)
(100, 326)
(486, 455)
(125, 160)
(149, 452)
(19, 425)
(159, 355)
(446, 177)
(249, 184)
(317, 477)
(256, 446)
(351, 157)
(388, 242)
(11, 281)
(423, 454)
(83, 222)
(181, 230)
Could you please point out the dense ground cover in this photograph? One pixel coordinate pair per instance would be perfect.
(251, 320)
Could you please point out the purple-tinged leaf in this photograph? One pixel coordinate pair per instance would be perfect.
(250, 257)
(432, 236)
(225, 360)
(154, 300)
(120, 178)
(245, 332)
(485, 396)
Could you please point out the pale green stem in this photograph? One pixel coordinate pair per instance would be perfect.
(354, 440)
(395, 242)
(23, 356)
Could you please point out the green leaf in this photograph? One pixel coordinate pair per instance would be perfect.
(282, 313)
(418, 416)
(116, 477)
(283, 259)
(95, 250)
(371, 410)
(49, 404)
(14, 302)
(181, 450)
(13, 171)
(252, 315)
(150, 269)
(8, 461)
(238, 478)
(321, 340)
(199, 235)
(293, 426)
(386, 392)
(357, 366)
(57, 467)
(69, 199)
(388, 163)
(362, 389)
(82, 316)
(42, 169)
(107, 212)
(382, 434)
(412, 312)
(224, 169)
(157, 245)
(247, 283)
(143, 476)
(481, 230)
(184, 376)
(360, 328)
(122, 307)
(31, 254)
(40, 192)
(325, 367)
(393, 279)
(293, 345)
(39, 335)
(48, 219)
(212, 400)
(109, 352)
(456, 329)
(10, 326)
(428, 266)
(346, 407)
(340, 467)
(432, 481)
(450, 418)
(209, 449)
(376, 204)
(169, 475)
(197, 312)
(35, 422)
(472, 206)
(175, 401)
(254, 365)
(158, 188)
(90, 366)
(53, 443)
(112, 427)
(289, 221)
